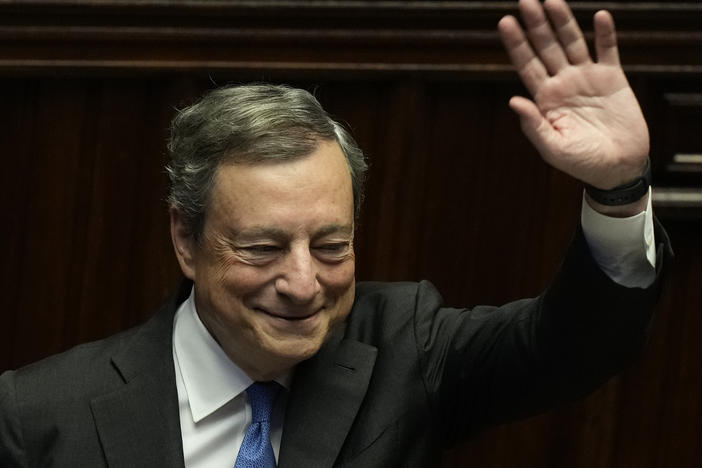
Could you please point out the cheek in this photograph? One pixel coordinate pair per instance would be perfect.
(243, 281)
(338, 278)
(230, 297)
(232, 281)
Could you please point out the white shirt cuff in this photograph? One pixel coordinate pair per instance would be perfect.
(624, 248)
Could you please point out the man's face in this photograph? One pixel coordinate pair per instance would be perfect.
(274, 270)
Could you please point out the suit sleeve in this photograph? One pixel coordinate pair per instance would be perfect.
(490, 365)
(11, 451)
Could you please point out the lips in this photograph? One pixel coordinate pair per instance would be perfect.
(290, 316)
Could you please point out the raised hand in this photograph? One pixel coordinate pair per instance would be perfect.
(584, 118)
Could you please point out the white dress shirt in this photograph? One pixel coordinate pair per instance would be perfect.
(214, 411)
(624, 248)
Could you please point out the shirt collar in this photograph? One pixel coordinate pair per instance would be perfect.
(210, 378)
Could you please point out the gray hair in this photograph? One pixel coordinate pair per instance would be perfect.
(248, 124)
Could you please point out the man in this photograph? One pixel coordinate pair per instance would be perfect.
(265, 190)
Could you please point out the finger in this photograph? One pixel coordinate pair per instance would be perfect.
(542, 37)
(529, 67)
(568, 31)
(606, 38)
(534, 125)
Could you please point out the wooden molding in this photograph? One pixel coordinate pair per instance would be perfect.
(328, 36)
(678, 202)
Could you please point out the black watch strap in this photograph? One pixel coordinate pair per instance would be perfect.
(623, 194)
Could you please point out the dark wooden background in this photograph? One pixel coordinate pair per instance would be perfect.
(456, 194)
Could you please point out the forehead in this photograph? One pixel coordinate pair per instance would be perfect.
(314, 189)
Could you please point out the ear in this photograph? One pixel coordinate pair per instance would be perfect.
(184, 244)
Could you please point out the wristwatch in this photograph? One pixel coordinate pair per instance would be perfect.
(623, 194)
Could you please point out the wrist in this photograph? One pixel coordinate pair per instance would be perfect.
(619, 211)
(628, 193)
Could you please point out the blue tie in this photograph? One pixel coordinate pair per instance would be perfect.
(256, 450)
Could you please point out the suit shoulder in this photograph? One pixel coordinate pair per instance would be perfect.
(83, 367)
(396, 295)
(381, 310)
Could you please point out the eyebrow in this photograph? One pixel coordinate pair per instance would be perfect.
(259, 232)
(334, 229)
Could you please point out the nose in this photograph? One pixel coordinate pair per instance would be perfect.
(298, 280)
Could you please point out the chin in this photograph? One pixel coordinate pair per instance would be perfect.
(296, 350)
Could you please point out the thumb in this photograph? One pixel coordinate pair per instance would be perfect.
(534, 125)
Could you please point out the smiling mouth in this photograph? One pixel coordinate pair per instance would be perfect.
(290, 318)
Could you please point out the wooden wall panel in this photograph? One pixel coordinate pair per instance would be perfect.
(85, 185)
(88, 89)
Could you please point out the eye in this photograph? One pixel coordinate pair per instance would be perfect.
(332, 251)
(261, 249)
(333, 247)
(258, 254)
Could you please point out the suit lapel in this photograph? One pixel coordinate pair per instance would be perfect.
(326, 394)
(136, 427)
(138, 423)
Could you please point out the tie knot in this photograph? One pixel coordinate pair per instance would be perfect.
(261, 397)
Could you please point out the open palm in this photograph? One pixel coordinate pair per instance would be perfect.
(584, 118)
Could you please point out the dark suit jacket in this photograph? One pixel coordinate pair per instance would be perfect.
(402, 379)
